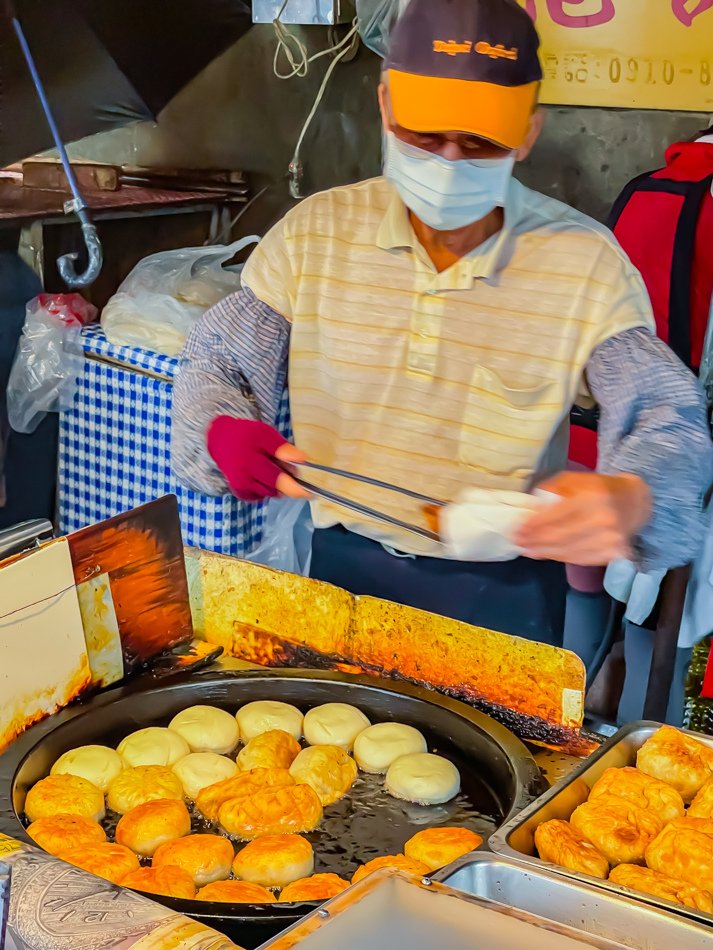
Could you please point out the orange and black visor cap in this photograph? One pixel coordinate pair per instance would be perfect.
(465, 66)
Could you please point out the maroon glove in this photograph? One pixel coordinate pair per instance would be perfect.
(244, 450)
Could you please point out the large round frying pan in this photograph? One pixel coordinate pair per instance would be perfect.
(499, 776)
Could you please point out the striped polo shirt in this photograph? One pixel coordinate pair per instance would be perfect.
(438, 381)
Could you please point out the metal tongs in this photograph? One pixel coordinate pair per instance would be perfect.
(363, 509)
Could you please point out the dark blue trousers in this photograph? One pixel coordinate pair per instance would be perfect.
(522, 597)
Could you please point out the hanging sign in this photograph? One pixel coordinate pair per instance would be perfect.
(634, 54)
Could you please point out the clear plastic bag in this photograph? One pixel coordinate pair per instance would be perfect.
(49, 359)
(376, 17)
(287, 537)
(157, 305)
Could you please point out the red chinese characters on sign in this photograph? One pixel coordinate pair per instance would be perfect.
(685, 11)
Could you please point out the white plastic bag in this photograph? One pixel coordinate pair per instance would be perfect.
(157, 305)
(287, 537)
(375, 18)
(49, 359)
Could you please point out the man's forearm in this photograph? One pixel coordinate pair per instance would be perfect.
(234, 364)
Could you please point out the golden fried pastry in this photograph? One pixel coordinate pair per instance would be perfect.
(668, 888)
(329, 770)
(110, 861)
(64, 795)
(201, 769)
(264, 716)
(98, 764)
(146, 827)
(620, 831)
(334, 724)
(399, 861)
(559, 843)
(207, 858)
(642, 790)
(167, 881)
(210, 799)
(275, 749)
(65, 832)
(702, 804)
(272, 811)
(680, 760)
(377, 747)
(145, 783)
(152, 746)
(423, 778)
(437, 847)
(235, 892)
(207, 729)
(684, 850)
(318, 887)
(274, 860)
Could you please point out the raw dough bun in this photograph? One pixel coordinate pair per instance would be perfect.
(207, 729)
(275, 860)
(64, 795)
(201, 769)
(334, 724)
(272, 811)
(110, 861)
(264, 715)
(146, 827)
(235, 892)
(329, 770)
(423, 778)
(153, 746)
(275, 749)
(65, 832)
(98, 764)
(437, 847)
(242, 785)
(168, 882)
(207, 858)
(377, 747)
(145, 783)
(318, 887)
(399, 861)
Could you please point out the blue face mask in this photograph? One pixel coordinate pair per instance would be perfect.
(446, 195)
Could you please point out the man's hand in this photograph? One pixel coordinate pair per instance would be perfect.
(593, 524)
(249, 454)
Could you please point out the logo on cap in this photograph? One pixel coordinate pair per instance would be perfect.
(451, 48)
(495, 52)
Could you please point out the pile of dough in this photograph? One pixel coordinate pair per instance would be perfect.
(377, 747)
(334, 724)
(641, 790)
(147, 826)
(64, 795)
(65, 832)
(660, 885)
(235, 892)
(274, 860)
(702, 804)
(201, 769)
(678, 759)
(110, 861)
(437, 847)
(620, 831)
(272, 811)
(244, 784)
(329, 770)
(206, 858)
(152, 746)
(206, 729)
(266, 715)
(98, 764)
(557, 842)
(145, 783)
(398, 861)
(684, 850)
(423, 778)
(318, 887)
(168, 882)
(275, 749)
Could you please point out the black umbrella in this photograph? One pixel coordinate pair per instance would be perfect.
(69, 68)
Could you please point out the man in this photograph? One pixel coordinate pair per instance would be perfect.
(439, 323)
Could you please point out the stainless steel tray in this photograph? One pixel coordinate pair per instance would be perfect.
(516, 838)
(575, 904)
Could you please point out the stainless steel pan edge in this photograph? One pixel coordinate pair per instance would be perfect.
(515, 839)
(577, 904)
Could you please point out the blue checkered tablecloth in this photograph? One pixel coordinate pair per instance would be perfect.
(114, 450)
